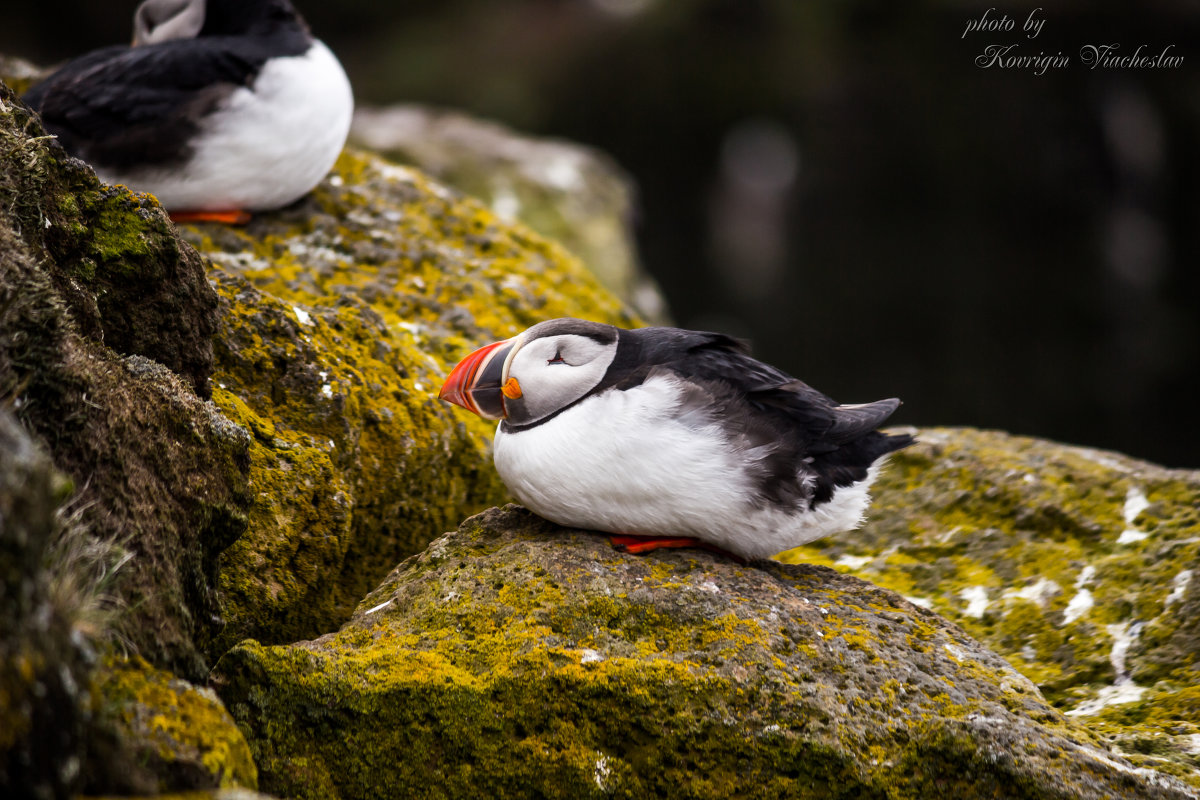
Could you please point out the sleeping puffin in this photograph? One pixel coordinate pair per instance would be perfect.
(671, 438)
(220, 107)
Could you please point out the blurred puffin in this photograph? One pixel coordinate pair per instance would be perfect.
(675, 435)
(220, 107)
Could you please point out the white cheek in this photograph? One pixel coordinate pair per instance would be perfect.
(548, 387)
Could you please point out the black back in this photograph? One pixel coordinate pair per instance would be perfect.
(805, 432)
(121, 107)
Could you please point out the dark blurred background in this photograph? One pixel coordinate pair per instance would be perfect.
(841, 183)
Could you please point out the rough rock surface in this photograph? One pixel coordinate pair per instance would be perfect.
(339, 318)
(325, 458)
(42, 665)
(567, 192)
(514, 659)
(1081, 567)
(510, 654)
(152, 733)
(102, 310)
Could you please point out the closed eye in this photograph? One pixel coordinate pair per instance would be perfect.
(558, 359)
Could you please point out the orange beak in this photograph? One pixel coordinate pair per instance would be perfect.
(476, 382)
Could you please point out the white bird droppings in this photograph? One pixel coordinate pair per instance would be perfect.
(1123, 689)
(602, 771)
(1179, 585)
(976, 598)
(956, 652)
(1135, 503)
(1080, 604)
(1039, 592)
(382, 605)
(853, 562)
(1083, 601)
(303, 316)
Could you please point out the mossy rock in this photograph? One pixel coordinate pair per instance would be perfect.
(152, 733)
(233, 793)
(565, 191)
(1081, 567)
(517, 659)
(43, 664)
(339, 319)
(105, 319)
(112, 256)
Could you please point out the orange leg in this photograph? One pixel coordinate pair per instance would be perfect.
(231, 217)
(644, 544)
(639, 545)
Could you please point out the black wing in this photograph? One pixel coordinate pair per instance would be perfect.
(806, 431)
(126, 106)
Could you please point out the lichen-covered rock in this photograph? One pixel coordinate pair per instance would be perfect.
(102, 309)
(1081, 567)
(112, 256)
(352, 464)
(564, 191)
(340, 316)
(518, 659)
(231, 793)
(43, 665)
(153, 733)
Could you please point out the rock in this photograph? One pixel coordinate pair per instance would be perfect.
(572, 194)
(327, 457)
(514, 658)
(105, 319)
(43, 662)
(112, 256)
(1081, 567)
(153, 733)
(339, 319)
(234, 793)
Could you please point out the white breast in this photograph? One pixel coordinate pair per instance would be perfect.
(266, 146)
(625, 462)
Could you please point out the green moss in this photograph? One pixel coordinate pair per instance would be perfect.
(1036, 525)
(513, 659)
(339, 320)
(177, 734)
(105, 319)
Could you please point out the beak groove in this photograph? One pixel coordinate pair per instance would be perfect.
(475, 383)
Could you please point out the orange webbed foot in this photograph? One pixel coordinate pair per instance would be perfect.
(640, 545)
(231, 217)
(644, 544)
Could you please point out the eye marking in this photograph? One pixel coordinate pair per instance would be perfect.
(558, 359)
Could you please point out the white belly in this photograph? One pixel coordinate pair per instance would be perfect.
(625, 462)
(264, 148)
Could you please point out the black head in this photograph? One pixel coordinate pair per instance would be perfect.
(163, 20)
(240, 17)
(535, 374)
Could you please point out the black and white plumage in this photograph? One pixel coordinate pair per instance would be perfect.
(220, 105)
(672, 433)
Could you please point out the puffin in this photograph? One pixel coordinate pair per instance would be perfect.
(219, 108)
(666, 437)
